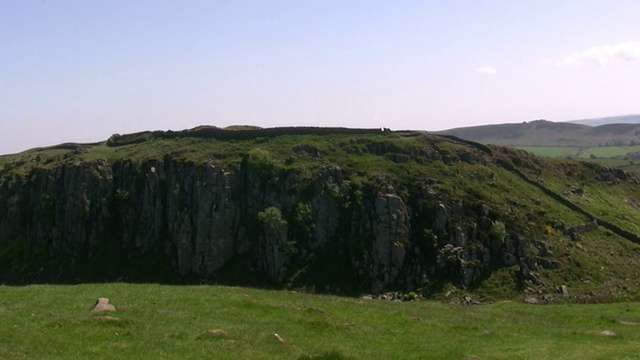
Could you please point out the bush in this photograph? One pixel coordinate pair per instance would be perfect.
(410, 296)
(497, 234)
(264, 165)
(271, 219)
(450, 255)
(429, 240)
(302, 217)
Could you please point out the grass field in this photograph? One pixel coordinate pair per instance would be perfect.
(606, 155)
(599, 152)
(552, 151)
(172, 322)
(609, 151)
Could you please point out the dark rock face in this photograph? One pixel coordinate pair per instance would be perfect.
(166, 220)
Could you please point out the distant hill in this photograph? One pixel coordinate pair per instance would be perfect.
(626, 119)
(548, 133)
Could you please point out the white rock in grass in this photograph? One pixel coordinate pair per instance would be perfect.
(217, 332)
(102, 304)
(278, 337)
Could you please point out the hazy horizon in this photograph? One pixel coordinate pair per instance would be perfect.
(83, 70)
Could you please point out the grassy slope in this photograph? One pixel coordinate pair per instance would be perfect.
(171, 322)
(599, 264)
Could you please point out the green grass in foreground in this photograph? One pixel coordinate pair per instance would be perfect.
(171, 322)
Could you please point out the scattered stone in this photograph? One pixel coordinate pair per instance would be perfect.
(391, 296)
(109, 318)
(607, 333)
(292, 306)
(629, 322)
(468, 300)
(318, 310)
(278, 337)
(367, 297)
(531, 300)
(562, 290)
(217, 332)
(102, 304)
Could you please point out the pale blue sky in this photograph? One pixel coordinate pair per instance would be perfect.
(82, 70)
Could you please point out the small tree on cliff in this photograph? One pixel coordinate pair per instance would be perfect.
(275, 245)
(271, 219)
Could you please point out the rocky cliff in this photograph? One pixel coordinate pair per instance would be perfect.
(401, 220)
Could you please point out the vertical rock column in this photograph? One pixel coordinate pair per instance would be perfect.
(391, 239)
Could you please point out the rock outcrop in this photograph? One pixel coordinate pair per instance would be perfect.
(189, 221)
(256, 221)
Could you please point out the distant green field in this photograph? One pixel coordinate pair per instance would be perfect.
(597, 152)
(621, 163)
(551, 151)
(609, 151)
(173, 322)
(603, 155)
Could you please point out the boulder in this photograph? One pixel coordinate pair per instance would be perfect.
(102, 304)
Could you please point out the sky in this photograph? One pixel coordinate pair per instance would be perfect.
(79, 71)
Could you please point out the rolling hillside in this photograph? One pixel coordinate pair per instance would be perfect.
(625, 119)
(547, 133)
